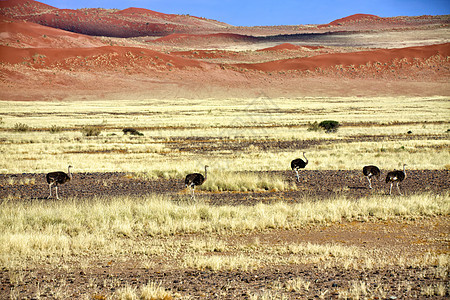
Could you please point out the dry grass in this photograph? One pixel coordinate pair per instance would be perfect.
(221, 262)
(245, 181)
(43, 230)
(150, 291)
(168, 126)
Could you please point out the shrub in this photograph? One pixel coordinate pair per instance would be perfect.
(20, 127)
(329, 125)
(55, 129)
(314, 126)
(91, 130)
(131, 131)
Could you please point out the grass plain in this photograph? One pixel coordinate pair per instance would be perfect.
(159, 233)
(232, 135)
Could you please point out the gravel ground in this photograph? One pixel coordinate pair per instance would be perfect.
(313, 183)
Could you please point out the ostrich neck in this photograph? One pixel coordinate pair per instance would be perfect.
(70, 174)
(206, 172)
(305, 157)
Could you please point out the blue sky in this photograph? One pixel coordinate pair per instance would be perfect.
(272, 12)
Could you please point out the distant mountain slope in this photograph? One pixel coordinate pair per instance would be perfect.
(97, 58)
(22, 34)
(130, 22)
(376, 59)
(371, 22)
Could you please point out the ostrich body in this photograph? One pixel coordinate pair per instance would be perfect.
(397, 177)
(371, 171)
(195, 179)
(58, 178)
(298, 164)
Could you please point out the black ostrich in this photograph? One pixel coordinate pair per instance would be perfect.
(195, 179)
(58, 178)
(298, 164)
(371, 171)
(397, 177)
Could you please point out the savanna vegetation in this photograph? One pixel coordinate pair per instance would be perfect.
(233, 135)
(167, 234)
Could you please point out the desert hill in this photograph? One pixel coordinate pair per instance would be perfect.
(23, 34)
(130, 22)
(48, 53)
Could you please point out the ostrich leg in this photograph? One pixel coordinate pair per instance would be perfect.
(370, 182)
(50, 187)
(398, 188)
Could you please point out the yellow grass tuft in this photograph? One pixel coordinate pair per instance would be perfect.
(220, 262)
(245, 182)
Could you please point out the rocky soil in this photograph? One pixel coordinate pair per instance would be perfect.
(320, 184)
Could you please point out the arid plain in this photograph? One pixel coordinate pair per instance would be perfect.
(245, 101)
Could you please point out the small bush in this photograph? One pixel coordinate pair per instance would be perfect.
(55, 129)
(20, 127)
(91, 130)
(314, 126)
(329, 125)
(131, 131)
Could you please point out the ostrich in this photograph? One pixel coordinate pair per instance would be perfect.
(371, 171)
(297, 164)
(397, 177)
(194, 179)
(58, 178)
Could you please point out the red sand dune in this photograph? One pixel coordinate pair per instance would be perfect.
(206, 54)
(355, 18)
(130, 22)
(352, 19)
(142, 11)
(24, 6)
(41, 62)
(349, 59)
(105, 58)
(281, 47)
(288, 46)
(362, 22)
(22, 34)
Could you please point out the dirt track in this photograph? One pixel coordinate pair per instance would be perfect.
(318, 184)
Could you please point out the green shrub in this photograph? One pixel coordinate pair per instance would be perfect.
(131, 131)
(329, 125)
